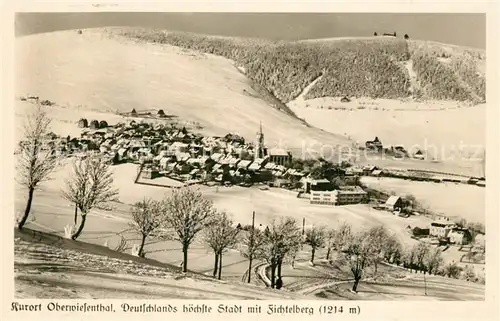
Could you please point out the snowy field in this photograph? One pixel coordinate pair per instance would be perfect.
(449, 199)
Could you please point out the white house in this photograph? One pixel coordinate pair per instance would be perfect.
(441, 227)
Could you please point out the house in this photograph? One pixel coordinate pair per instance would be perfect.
(441, 227)
(217, 168)
(350, 195)
(244, 164)
(394, 203)
(418, 155)
(279, 156)
(182, 157)
(459, 236)
(270, 166)
(182, 168)
(310, 184)
(122, 154)
(254, 167)
(375, 144)
(354, 170)
(163, 162)
(367, 170)
(217, 157)
(281, 182)
(377, 172)
(480, 241)
(234, 162)
(149, 173)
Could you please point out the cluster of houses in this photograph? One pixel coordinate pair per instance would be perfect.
(184, 156)
(179, 154)
(445, 230)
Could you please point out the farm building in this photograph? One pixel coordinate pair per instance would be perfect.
(369, 169)
(459, 236)
(441, 227)
(83, 123)
(394, 203)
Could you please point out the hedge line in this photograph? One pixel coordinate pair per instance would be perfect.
(368, 68)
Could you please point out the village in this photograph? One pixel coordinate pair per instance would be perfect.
(171, 157)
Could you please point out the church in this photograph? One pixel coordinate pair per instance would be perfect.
(278, 156)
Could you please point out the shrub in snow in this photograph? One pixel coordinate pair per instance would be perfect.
(68, 231)
(135, 250)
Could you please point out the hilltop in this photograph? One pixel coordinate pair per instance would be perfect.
(92, 76)
(373, 67)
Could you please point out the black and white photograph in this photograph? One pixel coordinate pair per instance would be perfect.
(331, 156)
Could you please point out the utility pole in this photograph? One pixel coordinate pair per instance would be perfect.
(425, 285)
(251, 248)
(303, 232)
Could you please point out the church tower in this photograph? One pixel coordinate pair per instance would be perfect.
(259, 144)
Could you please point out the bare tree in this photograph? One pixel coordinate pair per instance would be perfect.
(187, 212)
(433, 260)
(251, 247)
(377, 239)
(409, 258)
(294, 244)
(145, 220)
(330, 242)
(36, 159)
(220, 235)
(359, 256)
(342, 236)
(393, 250)
(421, 252)
(315, 238)
(280, 237)
(90, 185)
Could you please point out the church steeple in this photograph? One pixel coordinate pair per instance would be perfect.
(259, 144)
